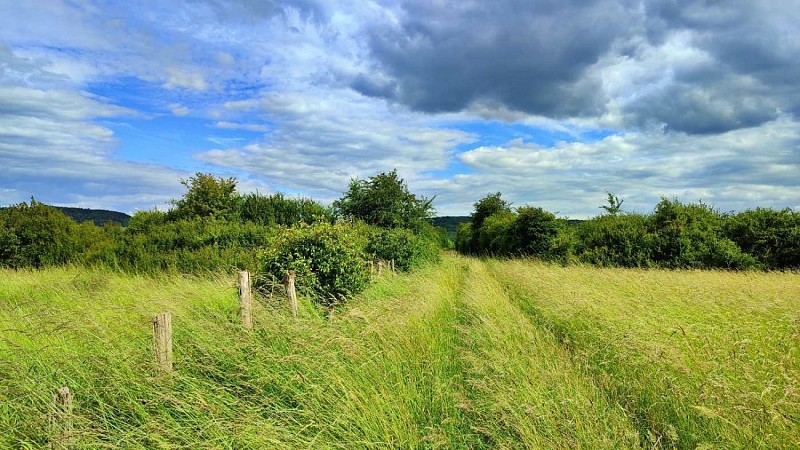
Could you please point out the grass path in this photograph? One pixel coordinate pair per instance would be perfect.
(697, 358)
(465, 354)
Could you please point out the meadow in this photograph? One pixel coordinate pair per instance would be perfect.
(464, 353)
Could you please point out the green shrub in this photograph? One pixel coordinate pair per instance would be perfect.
(36, 235)
(690, 236)
(384, 201)
(464, 237)
(615, 240)
(495, 236)
(772, 237)
(533, 232)
(276, 209)
(406, 249)
(328, 260)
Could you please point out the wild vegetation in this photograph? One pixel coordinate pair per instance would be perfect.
(212, 227)
(451, 351)
(460, 354)
(675, 235)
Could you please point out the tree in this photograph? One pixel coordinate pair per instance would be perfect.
(484, 208)
(384, 201)
(207, 196)
(534, 231)
(614, 204)
(36, 235)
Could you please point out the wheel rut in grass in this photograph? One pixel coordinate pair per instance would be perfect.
(524, 388)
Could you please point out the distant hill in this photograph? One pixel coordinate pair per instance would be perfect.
(98, 216)
(450, 223)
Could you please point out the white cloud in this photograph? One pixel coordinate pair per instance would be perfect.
(179, 110)
(732, 171)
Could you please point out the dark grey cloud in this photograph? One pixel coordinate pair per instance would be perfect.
(530, 56)
(696, 67)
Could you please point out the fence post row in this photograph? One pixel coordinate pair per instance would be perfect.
(288, 281)
(245, 299)
(162, 336)
(61, 419)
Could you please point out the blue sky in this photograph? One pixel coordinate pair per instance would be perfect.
(109, 104)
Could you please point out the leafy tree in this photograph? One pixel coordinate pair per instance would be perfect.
(534, 230)
(614, 204)
(206, 196)
(36, 235)
(495, 236)
(484, 208)
(384, 201)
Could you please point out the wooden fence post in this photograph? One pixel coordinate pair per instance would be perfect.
(288, 281)
(245, 302)
(380, 267)
(391, 264)
(61, 419)
(162, 334)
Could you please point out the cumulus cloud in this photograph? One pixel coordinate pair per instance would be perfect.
(700, 98)
(692, 67)
(732, 171)
(322, 140)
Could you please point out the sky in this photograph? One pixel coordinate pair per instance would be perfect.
(110, 104)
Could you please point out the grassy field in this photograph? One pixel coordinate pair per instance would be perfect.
(465, 354)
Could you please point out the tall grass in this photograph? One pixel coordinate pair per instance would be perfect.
(463, 354)
(697, 358)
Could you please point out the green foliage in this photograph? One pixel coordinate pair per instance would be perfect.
(276, 209)
(614, 204)
(464, 238)
(99, 217)
(534, 232)
(772, 237)
(690, 236)
(404, 247)
(484, 208)
(450, 224)
(495, 236)
(384, 201)
(35, 235)
(615, 240)
(206, 196)
(328, 260)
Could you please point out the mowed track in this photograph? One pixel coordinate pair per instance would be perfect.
(465, 354)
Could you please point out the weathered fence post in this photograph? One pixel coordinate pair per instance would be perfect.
(162, 335)
(391, 264)
(245, 302)
(380, 267)
(61, 419)
(288, 281)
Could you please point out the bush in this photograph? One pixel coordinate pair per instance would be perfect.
(464, 237)
(328, 260)
(279, 210)
(772, 237)
(534, 232)
(495, 236)
(690, 236)
(402, 246)
(615, 240)
(36, 235)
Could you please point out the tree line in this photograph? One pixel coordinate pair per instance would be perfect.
(214, 227)
(674, 235)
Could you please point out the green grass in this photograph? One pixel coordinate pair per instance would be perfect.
(697, 358)
(464, 354)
